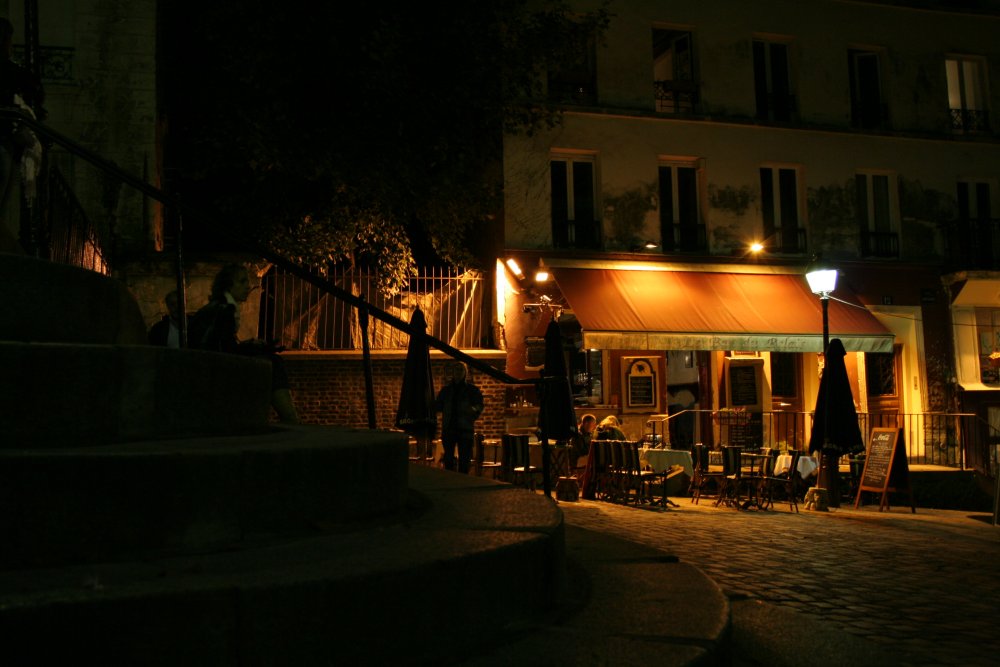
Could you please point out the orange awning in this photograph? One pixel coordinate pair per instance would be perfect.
(691, 310)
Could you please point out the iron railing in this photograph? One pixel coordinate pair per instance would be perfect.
(879, 244)
(973, 243)
(680, 237)
(675, 96)
(302, 316)
(956, 440)
(65, 234)
(970, 120)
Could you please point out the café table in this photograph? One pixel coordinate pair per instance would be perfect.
(660, 460)
(807, 465)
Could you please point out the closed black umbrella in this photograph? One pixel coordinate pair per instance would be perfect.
(835, 429)
(556, 418)
(416, 414)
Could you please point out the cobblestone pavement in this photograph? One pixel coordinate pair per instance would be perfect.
(926, 585)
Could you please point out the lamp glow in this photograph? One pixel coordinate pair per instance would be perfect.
(822, 281)
(756, 246)
(515, 268)
(541, 276)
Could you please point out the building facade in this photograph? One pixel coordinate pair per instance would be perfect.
(859, 132)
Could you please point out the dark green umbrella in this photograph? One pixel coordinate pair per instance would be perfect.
(416, 413)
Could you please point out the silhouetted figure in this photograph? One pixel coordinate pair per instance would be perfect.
(216, 327)
(18, 89)
(460, 404)
(167, 332)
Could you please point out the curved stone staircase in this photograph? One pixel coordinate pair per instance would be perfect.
(151, 515)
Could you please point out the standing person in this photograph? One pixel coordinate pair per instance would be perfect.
(216, 327)
(18, 89)
(460, 404)
(167, 331)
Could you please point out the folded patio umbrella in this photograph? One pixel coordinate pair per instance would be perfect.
(556, 418)
(416, 413)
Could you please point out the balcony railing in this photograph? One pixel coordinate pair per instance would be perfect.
(675, 96)
(973, 244)
(970, 120)
(879, 244)
(582, 234)
(788, 241)
(686, 238)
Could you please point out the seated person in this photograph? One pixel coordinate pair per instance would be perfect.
(610, 429)
(580, 443)
(167, 332)
(216, 326)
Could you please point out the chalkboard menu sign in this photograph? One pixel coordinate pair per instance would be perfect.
(641, 390)
(747, 432)
(743, 383)
(886, 468)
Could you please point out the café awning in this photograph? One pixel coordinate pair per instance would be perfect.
(692, 310)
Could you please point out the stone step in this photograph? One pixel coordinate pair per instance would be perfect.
(78, 395)
(45, 302)
(466, 566)
(110, 502)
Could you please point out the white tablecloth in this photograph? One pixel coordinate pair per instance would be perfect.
(807, 465)
(661, 459)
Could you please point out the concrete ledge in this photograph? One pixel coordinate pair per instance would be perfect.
(49, 302)
(480, 559)
(92, 504)
(69, 395)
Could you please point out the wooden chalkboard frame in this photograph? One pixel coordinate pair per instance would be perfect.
(886, 467)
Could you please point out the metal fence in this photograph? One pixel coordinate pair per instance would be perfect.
(958, 440)
(303, 317)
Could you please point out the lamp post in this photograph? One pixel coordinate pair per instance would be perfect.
(822, 281)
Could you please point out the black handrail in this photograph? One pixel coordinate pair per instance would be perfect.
(169, 200)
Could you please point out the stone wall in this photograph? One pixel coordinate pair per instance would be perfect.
(329, 387)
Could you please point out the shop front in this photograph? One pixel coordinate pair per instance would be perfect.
(708, 353)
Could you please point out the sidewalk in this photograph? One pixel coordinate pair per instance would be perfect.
(844, 587)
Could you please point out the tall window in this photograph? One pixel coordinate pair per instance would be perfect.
(673, 71)
(779, 203)
(772, 81)
(681, 227)
(979, 238)
(880, 373)
(574, 220)
(967, 94)
(575, 80)
(867, 106)
(877, 211)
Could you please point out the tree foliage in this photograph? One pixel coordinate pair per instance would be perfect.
(370, 135)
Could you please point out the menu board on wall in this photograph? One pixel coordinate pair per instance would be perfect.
(743, 383)
(641, 390)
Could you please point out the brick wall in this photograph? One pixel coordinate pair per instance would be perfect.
(329, 388)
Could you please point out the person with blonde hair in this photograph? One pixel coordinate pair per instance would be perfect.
(610, 429)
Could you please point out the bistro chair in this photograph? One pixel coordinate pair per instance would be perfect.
(522, 472)
(493, 466)
(702, 475)
(640, 480)
(790, 483)
(732, 476)
(600, 456)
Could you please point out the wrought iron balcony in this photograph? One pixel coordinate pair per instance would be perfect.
(787, 241)
(973, 244)
(879, 244)
(970, 120)
(582, 234)
(685, 238)
(675, 96)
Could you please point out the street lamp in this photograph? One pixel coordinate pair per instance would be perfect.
(822, 281)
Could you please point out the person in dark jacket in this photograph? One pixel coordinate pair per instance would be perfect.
(460, 404)
(216, 327)
(167, 331)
